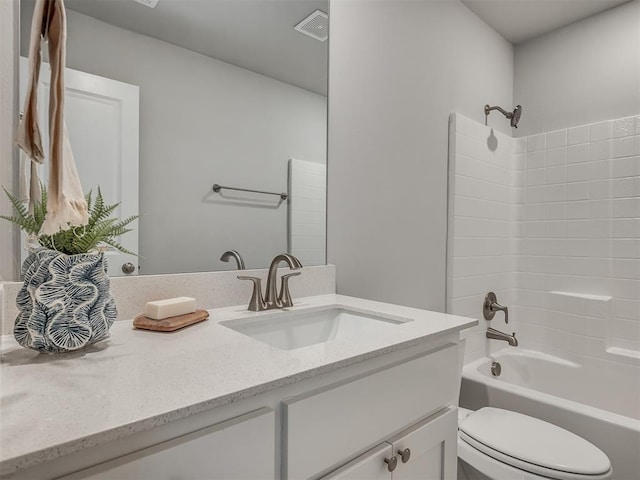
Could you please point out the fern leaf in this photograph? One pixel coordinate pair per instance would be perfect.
(117, 246)
(87, 197)
(115, 233)
(17, 204)
(125, 222)
(96, 211)
(106, 211)
(74, 240)
(93, 236)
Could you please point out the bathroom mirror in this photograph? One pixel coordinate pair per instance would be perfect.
(230, 94)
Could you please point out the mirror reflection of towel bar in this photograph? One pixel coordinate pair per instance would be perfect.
(217, 188)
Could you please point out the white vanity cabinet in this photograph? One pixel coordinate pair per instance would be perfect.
(240, 448)
(425, 451)
(324, 428)
(341, 423)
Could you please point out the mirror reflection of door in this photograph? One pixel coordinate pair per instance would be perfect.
(102, 118)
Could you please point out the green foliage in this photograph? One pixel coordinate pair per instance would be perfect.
(100, 230)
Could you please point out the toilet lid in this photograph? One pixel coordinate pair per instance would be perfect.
(532, 444)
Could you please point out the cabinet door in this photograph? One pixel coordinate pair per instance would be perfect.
(368, 466)
(351, 416)
(240, 448)
(433, 446)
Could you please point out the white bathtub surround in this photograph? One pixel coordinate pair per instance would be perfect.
(582, 238)
(573, 242)
(485, 216)
(144, 380)
(595, 399)
(210, 289)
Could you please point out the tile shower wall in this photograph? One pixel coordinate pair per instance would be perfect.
(572, 257)
(485, 214)
(579, 283)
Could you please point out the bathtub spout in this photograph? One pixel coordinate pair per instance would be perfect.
(498, 335)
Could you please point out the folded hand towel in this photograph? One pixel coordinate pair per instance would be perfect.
(30, 189)
(66, 205)
(25, 175)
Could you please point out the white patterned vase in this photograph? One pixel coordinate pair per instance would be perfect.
(65, 303)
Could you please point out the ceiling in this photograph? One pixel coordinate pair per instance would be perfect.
(254, 34)
(521, 20)
(258, 34)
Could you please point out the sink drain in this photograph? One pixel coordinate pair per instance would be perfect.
(496, 369)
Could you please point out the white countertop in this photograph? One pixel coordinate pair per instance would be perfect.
(52, 405)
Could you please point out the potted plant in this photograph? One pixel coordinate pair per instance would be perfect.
(65, 303)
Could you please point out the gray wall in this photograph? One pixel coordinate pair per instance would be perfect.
(202, 122)
(397, 70)
(583, 73)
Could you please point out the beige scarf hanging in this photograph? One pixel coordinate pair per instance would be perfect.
(66, 205)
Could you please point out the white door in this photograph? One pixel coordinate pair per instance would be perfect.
(433, 449)
(369, 466)
(102, 118)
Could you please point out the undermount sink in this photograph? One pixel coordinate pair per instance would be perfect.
(288, 330)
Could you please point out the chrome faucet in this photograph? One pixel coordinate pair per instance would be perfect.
(498, 335)
(233, 254)
(271, 298)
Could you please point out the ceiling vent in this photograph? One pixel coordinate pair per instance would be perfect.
(315, 25)
(148, 3)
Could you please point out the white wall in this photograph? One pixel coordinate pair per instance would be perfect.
(397, 70)
(202, 122)
(584, 73)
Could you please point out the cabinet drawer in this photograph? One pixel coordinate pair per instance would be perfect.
(324, 427)
(239, 448)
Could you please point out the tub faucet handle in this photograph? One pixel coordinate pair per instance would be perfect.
(491, 306)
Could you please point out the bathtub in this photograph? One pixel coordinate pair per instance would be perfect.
(598, 400)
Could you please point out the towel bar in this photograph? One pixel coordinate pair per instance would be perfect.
(217, 188)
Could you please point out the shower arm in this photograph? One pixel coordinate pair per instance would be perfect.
(488, 109)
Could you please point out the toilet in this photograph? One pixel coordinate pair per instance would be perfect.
(500, 444)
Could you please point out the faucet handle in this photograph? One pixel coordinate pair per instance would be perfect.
(256, 304)
(285, 299)
(491, 306)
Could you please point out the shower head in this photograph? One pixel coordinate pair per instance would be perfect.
(513, 116)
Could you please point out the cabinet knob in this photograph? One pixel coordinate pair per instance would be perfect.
(405, 455)
(392, 463)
